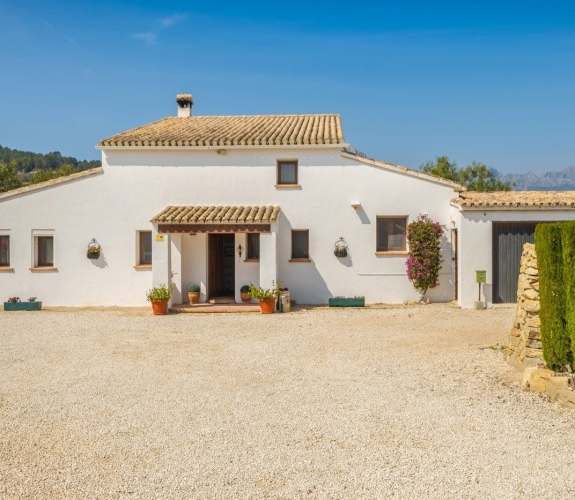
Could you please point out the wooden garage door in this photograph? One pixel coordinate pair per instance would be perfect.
(508, 240)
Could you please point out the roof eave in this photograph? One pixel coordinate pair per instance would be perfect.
(103, 147)
(404, 170)
(516, 208)
(52, 182)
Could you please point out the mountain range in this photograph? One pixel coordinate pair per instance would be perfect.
(563, 180)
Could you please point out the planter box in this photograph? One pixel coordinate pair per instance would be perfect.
(22, 306)
(351, 302)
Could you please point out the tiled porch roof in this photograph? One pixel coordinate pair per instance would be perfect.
(516, 199)
(197, 214)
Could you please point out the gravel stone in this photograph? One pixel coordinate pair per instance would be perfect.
(396, 402)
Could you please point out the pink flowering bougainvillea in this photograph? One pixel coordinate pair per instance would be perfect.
(424, 261)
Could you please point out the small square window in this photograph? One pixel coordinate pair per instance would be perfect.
(44, 251)
(145, 248)
(253, 244)
(300, 244)
(4, 251)
(287, 172)
(391, 234)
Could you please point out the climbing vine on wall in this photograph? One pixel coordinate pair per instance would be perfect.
(424, 260)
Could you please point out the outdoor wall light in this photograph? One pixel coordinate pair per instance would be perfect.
(240, 249)
(340, 248)
(356, 205)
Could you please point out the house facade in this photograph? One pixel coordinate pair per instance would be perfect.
(227, 201)
(223, 202)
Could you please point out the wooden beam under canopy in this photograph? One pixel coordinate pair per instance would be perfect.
(214, 228)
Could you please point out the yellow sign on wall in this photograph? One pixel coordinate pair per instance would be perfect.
(159, 237)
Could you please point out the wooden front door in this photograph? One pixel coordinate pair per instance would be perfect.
(221, 265)
(508, 241)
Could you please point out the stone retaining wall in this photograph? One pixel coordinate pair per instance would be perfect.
(525, 348)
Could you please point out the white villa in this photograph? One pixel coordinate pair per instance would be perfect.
(222, 201)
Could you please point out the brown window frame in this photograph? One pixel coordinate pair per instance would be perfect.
(141, 260)
(299, 258)
(378, 250)
(39, 256)
(278, 173)
(7, 263)
(251, 257)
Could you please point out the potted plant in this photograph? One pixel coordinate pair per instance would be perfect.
(159, 296)
(14, 304)
(194, 293)
(266, 296)
(245, 293)
(341, 301)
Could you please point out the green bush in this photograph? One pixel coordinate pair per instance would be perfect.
(554, 333)
(257, 292)
(161, 292)
(194, 288)
(568, 246)
(245, 289)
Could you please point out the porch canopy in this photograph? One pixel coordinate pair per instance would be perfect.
(216, 219)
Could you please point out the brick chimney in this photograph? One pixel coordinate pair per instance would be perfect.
(185, 103)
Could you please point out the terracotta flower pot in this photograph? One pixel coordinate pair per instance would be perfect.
(194, 297)
(267, 306)
(159, 307)
(246, 297)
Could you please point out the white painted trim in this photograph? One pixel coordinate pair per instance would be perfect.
(51, 182)
(404, 170)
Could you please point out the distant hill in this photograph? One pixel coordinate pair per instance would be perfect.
(563, 180)
(27, 161)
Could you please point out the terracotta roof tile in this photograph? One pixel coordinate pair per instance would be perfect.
(186, 214)
(261, 130)
(519, 199)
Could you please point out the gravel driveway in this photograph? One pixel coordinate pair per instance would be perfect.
(405, 402)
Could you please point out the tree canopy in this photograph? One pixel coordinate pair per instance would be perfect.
(476, 176)
(20, 168)
(26, 161)
(9, 178)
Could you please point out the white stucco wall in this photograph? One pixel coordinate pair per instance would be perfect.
(476, 245)
(136, 185)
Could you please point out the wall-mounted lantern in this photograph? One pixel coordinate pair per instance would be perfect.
(340, 248)
(93, 251)
(240, 249)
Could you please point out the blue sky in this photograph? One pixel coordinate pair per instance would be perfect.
(491, 81)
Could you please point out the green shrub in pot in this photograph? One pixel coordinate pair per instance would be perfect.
(194, 293)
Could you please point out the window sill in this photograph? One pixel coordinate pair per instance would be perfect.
(251, 260)
(6, 269)
(397, 252)
(299, 260)
(288, 186)
(143, 267)
(43, 269)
